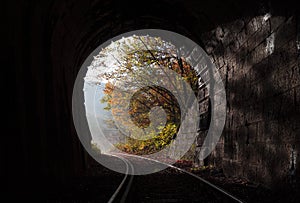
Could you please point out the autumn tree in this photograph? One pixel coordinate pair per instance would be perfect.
(141, 60)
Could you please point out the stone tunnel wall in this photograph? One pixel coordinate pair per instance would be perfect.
(257, 60)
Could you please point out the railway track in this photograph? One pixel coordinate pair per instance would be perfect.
(121, 193)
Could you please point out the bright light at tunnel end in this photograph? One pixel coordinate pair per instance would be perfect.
(165, 78)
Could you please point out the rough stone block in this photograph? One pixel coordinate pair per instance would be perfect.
(285, 32)
(252, 26)
(242, 37)
(297, 97)
(285, 79)
(275, 22)
(258, 38)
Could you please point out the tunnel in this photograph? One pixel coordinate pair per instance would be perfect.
(255, 46)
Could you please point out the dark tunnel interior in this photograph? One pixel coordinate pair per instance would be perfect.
(46, 43)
